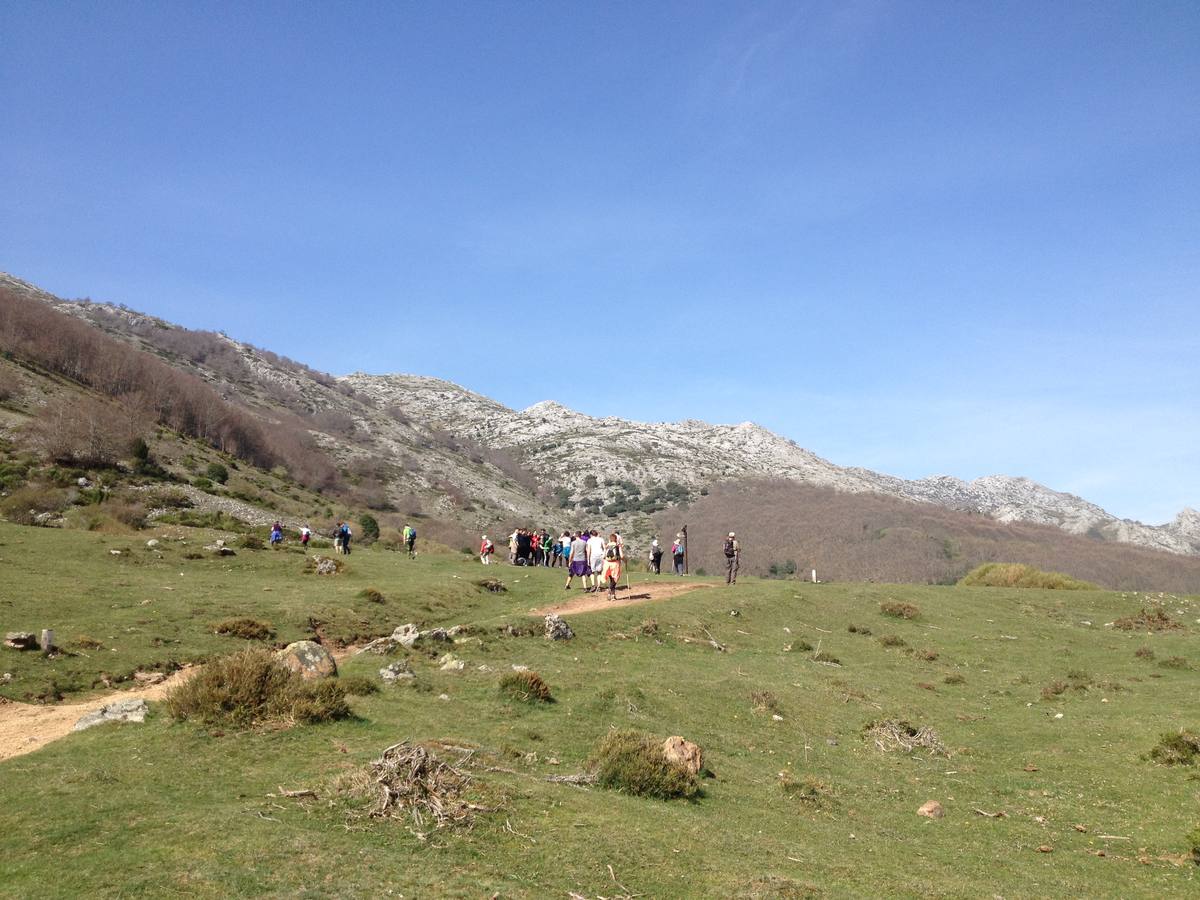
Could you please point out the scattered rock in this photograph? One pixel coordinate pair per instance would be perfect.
(684, 753)
(21, 640)
(557, 629)
(308, 659)
(735, 613)
(451, 663)
(443, 696)
(146, 679)
(325, 566)
(83, 482)
(152, 543)
(1045, 848)
(114, 552)
(832, 742)
(518, 668)
(931, 810)
(400, 670)
(131, 710)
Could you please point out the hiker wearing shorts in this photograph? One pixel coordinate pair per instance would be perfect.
(733, 558)
(577, 560)
(595, 548)
(614, 555)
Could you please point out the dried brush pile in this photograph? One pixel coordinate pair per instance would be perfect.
(890, 735)
(410, 782)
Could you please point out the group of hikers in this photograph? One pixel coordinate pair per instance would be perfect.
(586, 553)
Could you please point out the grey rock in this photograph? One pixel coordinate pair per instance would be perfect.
(21, 640)
(131, 710)
(451, 663)
(397, 671)
(309, 660)
(557, 629)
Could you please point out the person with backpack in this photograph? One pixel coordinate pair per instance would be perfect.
(733, 558)
(577, 555)
(410, 541)
(656, 555)
(337, 538)
(614, 555)
(276, 534)
(305, 536)
(677, 552)
(345, 532)
(486, 549)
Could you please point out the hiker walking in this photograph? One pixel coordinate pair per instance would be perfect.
(305, 536)
(337, 537)
(595, 548)
(486, 549)
(614, 555)
(677, 553)
(410, 541)
(733, 558)
(276, 534)
(346, 538)
(577, 566)
(656, 555)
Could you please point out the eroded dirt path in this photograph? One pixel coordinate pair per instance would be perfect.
(578, 602)
(25, 727)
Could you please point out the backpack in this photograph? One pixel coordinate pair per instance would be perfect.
(729, 551)
(613, 552)
(412, 535)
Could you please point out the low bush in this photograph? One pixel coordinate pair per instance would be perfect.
(168, 498)
(202, 482)
(358, 685)
(898, 610)
(250, 542)
(893, 640)
(84, 642)
(372, 595)
(764, 701)
(217, 472)
(859, 629)
(1054, 689)
(1180, 748)
(127, 512)
(1153, 619)
(634, 763)
(1175, 662)
(1192, 840)
(1019, 575)
(245, 627)
(25, 504)
(823, 657)
(926, 653)
(525, 687)
(253, 688)
(954, 678)
(1144, 652)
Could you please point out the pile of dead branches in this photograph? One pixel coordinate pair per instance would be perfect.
(408, 781)
(890, 735)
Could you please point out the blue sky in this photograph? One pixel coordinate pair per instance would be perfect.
(926, 238)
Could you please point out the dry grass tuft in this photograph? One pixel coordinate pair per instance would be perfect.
(1019, 575)
(859, 629)
(1144, 652)
(245, 627)
(898, 610)
(764, 701)
(807, 789)
(491, 585)
(372, 595)
(892, 734)
(1181, 748)
(954, 678)
(358, 685)
(893, 640)
(1153, 619)
(525, 687)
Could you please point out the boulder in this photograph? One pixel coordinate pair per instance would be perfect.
(131, 710)
(557, 629)
(684, 753)
(451, 663)
(406, 635)
(326, 566)
(309, 660)
(21, 640)
(145, 679)
(152, 543)
(397, 671)
(931, 810)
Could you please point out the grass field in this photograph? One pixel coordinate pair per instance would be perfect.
(165, 809)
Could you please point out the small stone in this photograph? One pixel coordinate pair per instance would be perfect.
(777, 717)
(130, 710)
(931, 810)
(832, 742)
(1082, 829)
(517, 668)
(451, 663)
(443, 696)
(1045, 848)
(684, 753)
(152, 543)
(1058, 715)
(397, 671)
(114, 552)
(148, 678)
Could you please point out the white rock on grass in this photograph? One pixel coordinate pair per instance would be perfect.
(451, 663)
(131, 710)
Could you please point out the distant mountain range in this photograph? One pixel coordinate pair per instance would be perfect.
(410, 439)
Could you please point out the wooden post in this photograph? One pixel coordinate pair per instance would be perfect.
(685, 549)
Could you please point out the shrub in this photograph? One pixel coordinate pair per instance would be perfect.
(370, 529)
(1193, 844)
(217, 472)
(1153, 619)
(1177, 749)
(245, 627)
(168, 498)
(202, 482)
(358, 685)
(1054, 689)
(927, 654)
(859, 629)
(898, 610)
(893, 640)
(127, 512)
(254, 688)
(1144, 652)
(250, 542)
(372, 595)
(1018, 575)
(83, 431)
(764, 701)
(634, 763)
(525, 687)
(24, 505)
(1175, 662)
(954, 678)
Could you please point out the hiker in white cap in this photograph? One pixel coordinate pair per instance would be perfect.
(733, 558)
(486, 549)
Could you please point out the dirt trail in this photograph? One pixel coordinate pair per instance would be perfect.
(25, 727)
(638, 593)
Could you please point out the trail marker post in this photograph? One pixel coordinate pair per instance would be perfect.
(685, 549)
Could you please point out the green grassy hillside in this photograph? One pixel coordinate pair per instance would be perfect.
(1045, 709)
